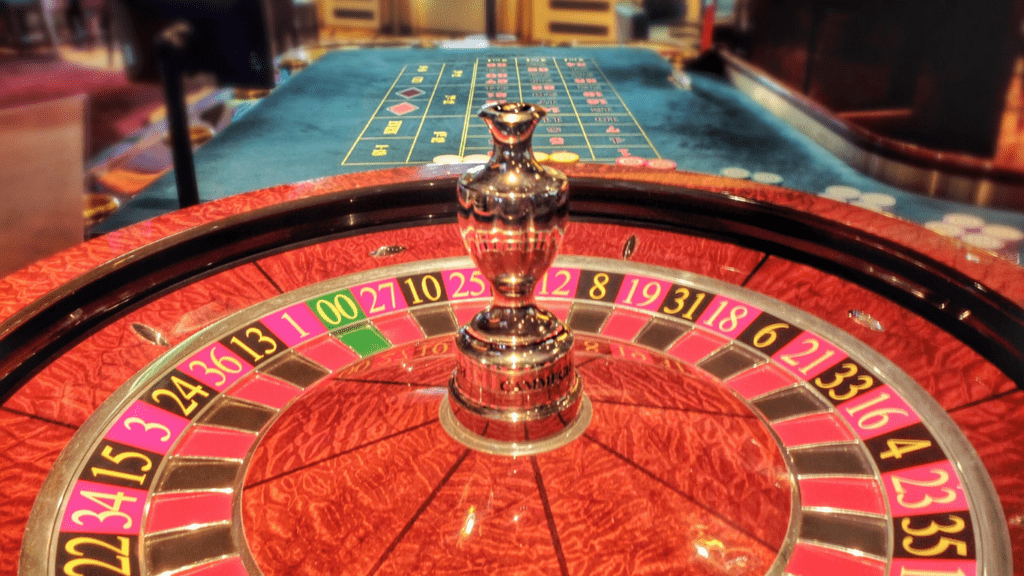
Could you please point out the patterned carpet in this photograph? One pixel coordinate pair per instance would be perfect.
(116, 107)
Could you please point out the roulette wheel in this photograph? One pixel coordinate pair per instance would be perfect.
(773, 383)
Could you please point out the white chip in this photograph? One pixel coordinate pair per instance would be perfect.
(984, 242)
(1008, 234)
(944, 229)
(447, 159)
(860, 204)
(840, 197)
(766, 178)
(1011, 237)
(841, 192)
(884, 201)
(968, 222)
(831, 197)
(476, 159)
(735, 172)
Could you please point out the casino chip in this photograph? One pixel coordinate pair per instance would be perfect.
(885, 202)
(866, 205)
(735, 172)
(1005, 241)
(1007, 233)
(984, 242)
(969, 222)
(476, 159)
(448, 159)
(635, 161)
(944, 229)
(841, 193)
(540, 156)
(1010, 236)
(564, 157)
(766, 178)
(661, 164)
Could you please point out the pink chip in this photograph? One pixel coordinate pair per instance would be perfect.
(630, 161)
(661, 164)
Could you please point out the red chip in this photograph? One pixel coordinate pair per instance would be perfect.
(661, 164)
(630, 161)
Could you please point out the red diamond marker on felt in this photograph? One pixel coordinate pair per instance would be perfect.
(402, 109)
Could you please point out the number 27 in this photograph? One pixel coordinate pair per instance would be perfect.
(375, 307)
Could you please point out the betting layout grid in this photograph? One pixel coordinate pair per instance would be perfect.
(429, 111)
(880, 493)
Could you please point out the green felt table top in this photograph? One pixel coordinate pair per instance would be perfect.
(364, 109)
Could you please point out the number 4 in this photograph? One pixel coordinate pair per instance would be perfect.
(898, 447)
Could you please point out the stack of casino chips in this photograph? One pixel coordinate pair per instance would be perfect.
(456, 159)
(560, 157)
(740, 173)
(875, 201)
(638, 162)
(1010, 236)
(1005, 241)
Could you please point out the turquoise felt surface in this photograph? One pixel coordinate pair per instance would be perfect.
(309, 125)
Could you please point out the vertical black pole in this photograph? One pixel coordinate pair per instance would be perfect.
(819, 14)
(492, 19)
(170, 49)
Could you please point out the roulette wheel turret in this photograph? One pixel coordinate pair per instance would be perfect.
(515, 378)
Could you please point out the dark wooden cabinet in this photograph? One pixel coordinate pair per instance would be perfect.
(932, 72)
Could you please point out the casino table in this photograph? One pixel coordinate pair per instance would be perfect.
(778, 384)
(366, 109)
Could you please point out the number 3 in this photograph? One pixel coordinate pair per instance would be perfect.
(147, 426)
